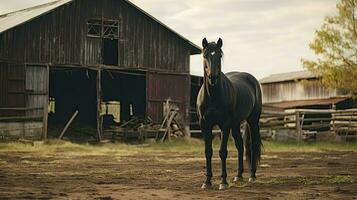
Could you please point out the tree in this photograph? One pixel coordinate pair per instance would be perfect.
(335, 45)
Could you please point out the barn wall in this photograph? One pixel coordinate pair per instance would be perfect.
(60, 37)
(286, 91)
(164, 86)
(12, 89)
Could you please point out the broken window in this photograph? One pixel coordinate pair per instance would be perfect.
(103, 28)
(110, 29)
(94, 28)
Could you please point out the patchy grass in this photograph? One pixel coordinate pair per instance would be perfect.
(178, 145)
(58, 147)
(340, 179)
(308, 146)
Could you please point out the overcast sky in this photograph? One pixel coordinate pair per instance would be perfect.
(259, 36)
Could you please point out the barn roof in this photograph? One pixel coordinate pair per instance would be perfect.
(10, 20)
(289, 76)
(13, 19)
(307, 102)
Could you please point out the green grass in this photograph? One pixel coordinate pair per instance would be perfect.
(179, 145)
(308, 146)
(340, 179)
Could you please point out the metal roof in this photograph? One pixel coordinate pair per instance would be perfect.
(308, 102)
(10, 20)
(289, 76)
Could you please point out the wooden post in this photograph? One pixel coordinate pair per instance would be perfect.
(99, 101)
(45, 107)
(297, 124)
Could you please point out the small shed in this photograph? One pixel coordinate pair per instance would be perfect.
(297, 106)
(300, 89)
(106, 59)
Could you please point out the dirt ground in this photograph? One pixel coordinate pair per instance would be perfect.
(173, 175)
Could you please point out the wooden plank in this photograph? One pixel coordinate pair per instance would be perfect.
(99, 101)
(22, 109)
(68, 123)
(45, 110)
(21, 118)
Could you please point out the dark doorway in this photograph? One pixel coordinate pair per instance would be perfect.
(128, 88)
(72, 90)
(110, 51)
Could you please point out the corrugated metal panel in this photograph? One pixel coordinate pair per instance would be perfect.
(167, 86)
(13, 19)
(289, 76)
(287, 91)
(300, 103)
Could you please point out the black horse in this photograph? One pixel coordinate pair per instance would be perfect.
(226, 100)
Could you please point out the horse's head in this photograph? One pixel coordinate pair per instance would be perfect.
(212, 55)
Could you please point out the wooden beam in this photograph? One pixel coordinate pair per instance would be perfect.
(45, 108)
(99, 101)
(68, 123)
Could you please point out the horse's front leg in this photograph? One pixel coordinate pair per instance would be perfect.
(207, 134)
(223, 155)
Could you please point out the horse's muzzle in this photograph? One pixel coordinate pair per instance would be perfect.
(212, 80)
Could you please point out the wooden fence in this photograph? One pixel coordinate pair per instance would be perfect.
(306, 123)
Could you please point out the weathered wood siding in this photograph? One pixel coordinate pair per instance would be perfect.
(167, 86)
(12, 89)
(36, 89)
(60, 37)
(287, 91)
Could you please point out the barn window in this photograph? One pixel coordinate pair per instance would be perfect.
(94, 28)
(103, 28)
(110, 29)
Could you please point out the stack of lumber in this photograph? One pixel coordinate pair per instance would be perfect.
(173, 124)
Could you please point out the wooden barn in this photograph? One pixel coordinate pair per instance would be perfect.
(105, 59)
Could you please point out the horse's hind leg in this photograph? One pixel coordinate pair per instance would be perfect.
(238, 140)
(223, 155)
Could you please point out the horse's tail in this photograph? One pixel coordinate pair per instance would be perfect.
(253, 144)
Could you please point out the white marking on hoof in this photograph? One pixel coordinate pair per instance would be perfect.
(252, 180)
(206, 186)
(238, 179)
(223, 186)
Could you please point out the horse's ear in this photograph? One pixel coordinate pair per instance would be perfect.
(220, 43)
(204, 43)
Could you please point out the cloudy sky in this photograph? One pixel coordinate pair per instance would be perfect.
(259, 36)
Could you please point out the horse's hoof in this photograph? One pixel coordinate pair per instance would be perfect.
(252, 180)
(238, 179)
(206, 186)
(223, 186)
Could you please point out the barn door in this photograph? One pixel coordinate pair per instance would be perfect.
(161, 87)
(37, 87)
